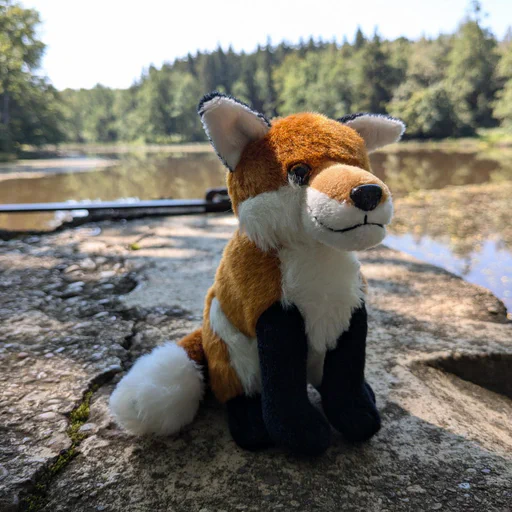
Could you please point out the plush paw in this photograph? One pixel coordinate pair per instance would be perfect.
(355, 417)
(303, 430)
(370, 391)
(245, 420)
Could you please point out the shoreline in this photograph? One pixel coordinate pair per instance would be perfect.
(487, 140)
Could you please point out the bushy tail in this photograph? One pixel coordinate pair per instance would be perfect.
(193, 345)
(162, 391)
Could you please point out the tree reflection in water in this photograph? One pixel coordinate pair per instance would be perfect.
(452, 207)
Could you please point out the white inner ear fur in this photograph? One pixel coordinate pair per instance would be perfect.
(231, 126)
(377, 130)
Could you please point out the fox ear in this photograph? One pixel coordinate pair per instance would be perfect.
(377, 130)
(230, 126)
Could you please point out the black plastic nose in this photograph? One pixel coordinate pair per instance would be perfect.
(366, 197)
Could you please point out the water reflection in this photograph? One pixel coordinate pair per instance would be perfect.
(462, 217)
(187, 175)
(488, 265)
(145, 176)
(409, 171)
(464, 229)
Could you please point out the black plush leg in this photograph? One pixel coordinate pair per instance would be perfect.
(290, 418)
(245, 420)
(348, 401)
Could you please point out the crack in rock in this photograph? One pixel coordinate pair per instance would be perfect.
(35, 499)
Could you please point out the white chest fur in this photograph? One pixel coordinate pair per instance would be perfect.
(325, 285)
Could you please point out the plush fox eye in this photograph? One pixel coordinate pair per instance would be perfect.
(299, 173)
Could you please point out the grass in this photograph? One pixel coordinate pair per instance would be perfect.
(78, 417)
(496, 136)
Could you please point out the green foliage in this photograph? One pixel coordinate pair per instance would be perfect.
(29, 106)
(317, 82)
(449, 84)
(37, 499)
(469, 76)
(503, 104)
(398, 52)
(371, 77)
(360, 39)
(19, 48)
(35, 113)
(90, 114)
(164, 107)
(245, 86)
(444, 87)
(427, 112)
(264, 81)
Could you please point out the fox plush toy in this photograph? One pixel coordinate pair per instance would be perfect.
(287, 306)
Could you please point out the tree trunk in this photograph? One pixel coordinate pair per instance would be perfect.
(5, 110)
(5, 143)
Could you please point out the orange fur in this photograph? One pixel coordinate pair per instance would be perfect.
(337, 181)
(301, 138)
(193, 345)
(223, 379)
(248, 280)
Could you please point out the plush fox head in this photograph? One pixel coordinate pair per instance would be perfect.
(303, 178)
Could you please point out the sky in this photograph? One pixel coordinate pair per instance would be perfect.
(112, 41)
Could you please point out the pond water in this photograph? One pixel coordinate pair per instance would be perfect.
(451, 206)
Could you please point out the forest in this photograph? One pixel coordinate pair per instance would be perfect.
(448, 86)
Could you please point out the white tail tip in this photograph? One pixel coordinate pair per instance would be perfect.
(160, 394)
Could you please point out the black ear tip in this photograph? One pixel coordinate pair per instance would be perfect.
(351, 117)
(208, 97)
